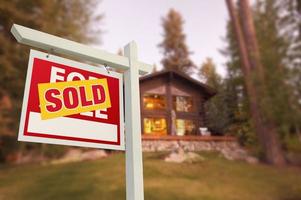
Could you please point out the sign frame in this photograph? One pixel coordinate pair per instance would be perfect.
(52, 58)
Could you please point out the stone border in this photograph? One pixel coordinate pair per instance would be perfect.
(227, 146)
(188, 145)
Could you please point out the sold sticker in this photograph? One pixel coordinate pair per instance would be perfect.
(72, 97)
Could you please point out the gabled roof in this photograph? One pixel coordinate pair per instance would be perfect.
(209, 91)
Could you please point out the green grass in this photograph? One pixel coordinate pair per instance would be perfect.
(293, 144)
(215, 178)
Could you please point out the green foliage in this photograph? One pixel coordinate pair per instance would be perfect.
(278, 101)
(217, 118)
(53, 151)
(244, 132)
(292, 143)
(236, 101)
(8, 145)
(74, 20)
(290, 24)
(175, 50)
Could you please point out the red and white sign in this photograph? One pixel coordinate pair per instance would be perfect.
(97, 128)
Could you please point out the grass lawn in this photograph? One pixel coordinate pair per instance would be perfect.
(215, 178)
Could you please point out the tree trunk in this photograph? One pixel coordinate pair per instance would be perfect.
(299, 11)
(298, 132)
(265, 130)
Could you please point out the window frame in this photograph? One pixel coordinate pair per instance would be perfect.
(154, 118)
(174, 106)
(155, 109)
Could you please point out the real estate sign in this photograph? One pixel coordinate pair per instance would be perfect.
(71, 103)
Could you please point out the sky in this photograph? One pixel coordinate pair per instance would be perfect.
(141, 21)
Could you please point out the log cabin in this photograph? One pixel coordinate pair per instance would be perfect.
(172, 104)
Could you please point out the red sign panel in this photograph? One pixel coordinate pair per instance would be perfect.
(102, 128)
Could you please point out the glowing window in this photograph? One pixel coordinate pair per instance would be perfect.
(155, 126)
(182, 103)
(154, 102)
(185, 127)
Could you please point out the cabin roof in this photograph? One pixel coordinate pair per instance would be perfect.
(208, 91)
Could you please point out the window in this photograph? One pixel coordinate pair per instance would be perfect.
(155, 126)
(182, 103)
(154, 102)
(185, 127)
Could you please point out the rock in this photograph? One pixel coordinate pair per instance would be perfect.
(252, 160)
(77, 155)
(294, 158)
(194, 157)
(180, 156)
(27, 158)
(231, 150)
(234, 154)
(174, 157)
(172, 145)
(94, 155)
(227, 154)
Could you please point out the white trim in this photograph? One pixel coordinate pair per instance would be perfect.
(59, 45)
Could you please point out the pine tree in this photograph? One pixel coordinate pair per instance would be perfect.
(254, 76)
(69, 19)
(290, 24)
(217, 118)
(175, 50)
(236, 99)
(273, 47)
(73, 20)
(209, 74)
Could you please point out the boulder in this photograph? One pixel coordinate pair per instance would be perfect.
(181, 156)
(77, 155)
(252, 160)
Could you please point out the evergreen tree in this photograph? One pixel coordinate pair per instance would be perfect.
(69, 19)
(236, 99)
(290, 24)
(273, 48)
(278, 33)
(73, 20)
(175, 50)
(256, 65)
(209, 74)
(217, 118)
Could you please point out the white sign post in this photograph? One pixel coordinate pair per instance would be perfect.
(134, 172)
(132, 67)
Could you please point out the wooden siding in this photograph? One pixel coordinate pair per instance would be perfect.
(177, 84)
